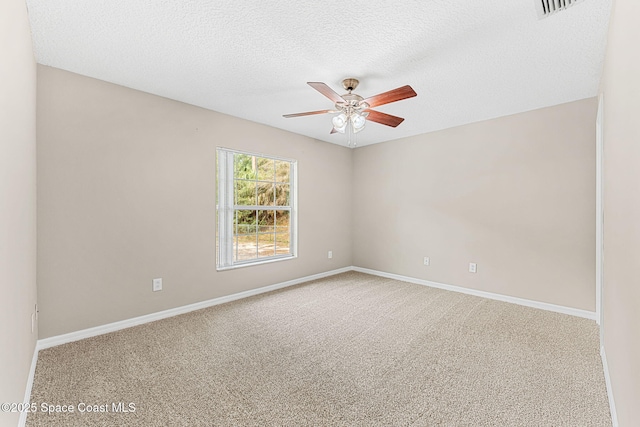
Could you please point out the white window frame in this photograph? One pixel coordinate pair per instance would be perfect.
(225, 210)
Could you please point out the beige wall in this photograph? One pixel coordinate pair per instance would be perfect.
(516, 195)
(126, 193)
(17, 203)
(621, 88)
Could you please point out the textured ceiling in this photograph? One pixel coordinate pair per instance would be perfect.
(468, 60)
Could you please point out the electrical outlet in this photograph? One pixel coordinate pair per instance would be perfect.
(426, 261)
(157, 285)
(330, 254)
(473, 267)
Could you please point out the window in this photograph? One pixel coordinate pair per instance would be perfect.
(256, 208)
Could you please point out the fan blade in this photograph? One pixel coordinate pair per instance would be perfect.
(384, 118)
(326, 91)
(308, 113)
(394, 95)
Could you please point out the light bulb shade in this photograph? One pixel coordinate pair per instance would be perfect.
(358, 122)
(340, 122)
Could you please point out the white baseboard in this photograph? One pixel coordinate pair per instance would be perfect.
(505, 298)
(607, 380)
(27, 393)
(123, 324)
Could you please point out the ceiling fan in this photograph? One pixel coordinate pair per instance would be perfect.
(355, 110)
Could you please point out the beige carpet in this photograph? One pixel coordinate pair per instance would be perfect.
(349, 350)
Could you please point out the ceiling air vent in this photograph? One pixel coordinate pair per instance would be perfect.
(549, 7)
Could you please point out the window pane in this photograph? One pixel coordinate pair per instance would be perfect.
(266, 195)
(217, 239)
(265, 169)
(266, 221)
(245, 192)
(282, 171)
(244, 235)
(244, 166)
(282, 194)
(266, 245)
(245, 222)
(244, 247)
(283, 232)
(246, 229)
(282, 221)
(282, 244)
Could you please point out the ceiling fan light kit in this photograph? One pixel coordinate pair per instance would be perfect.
(354, 110)
(340, 122)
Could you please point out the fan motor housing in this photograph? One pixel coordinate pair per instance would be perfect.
(352, 100)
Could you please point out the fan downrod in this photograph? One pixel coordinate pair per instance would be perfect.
(350, 84)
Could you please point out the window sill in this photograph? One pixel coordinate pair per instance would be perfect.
(259, 262)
